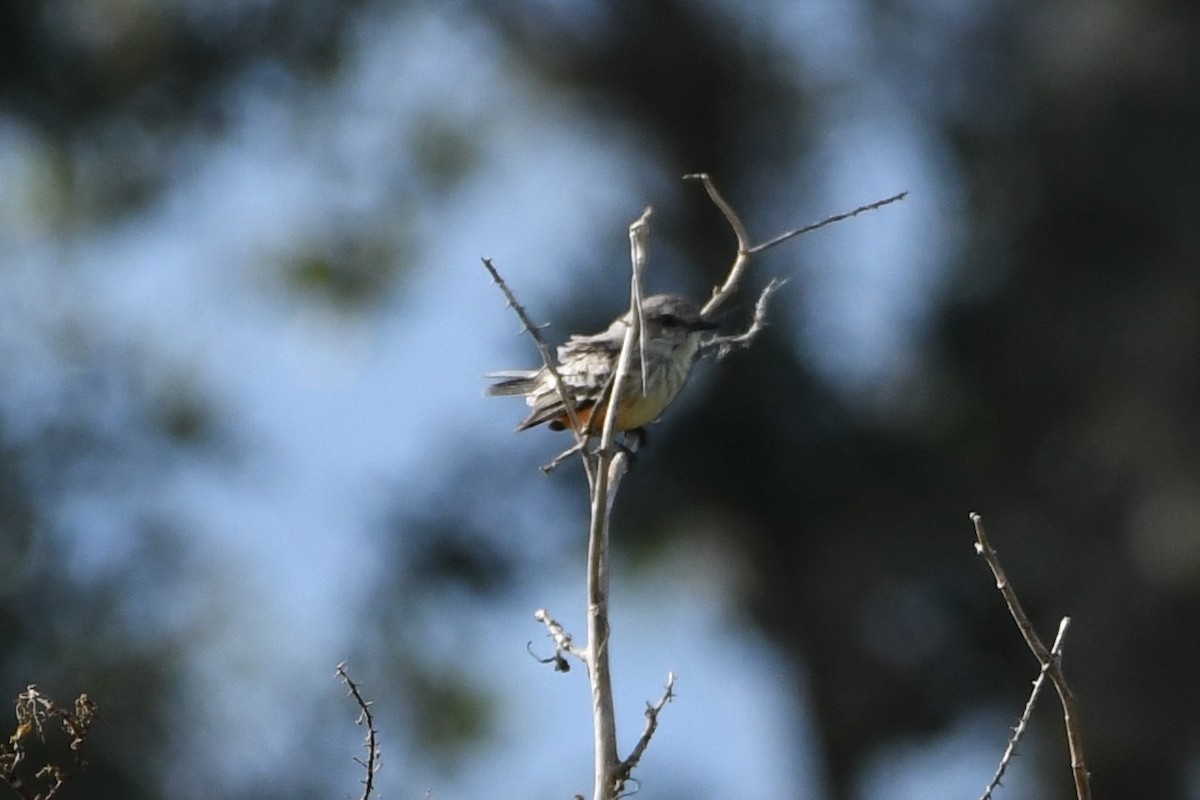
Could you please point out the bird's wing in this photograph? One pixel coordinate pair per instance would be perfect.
(585, 365)
(606, 341)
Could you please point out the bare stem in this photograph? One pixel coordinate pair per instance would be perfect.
(783, 237)
(652, 712)
(745, 249)
(581, 435)
(610, 467)
(741, 259)
(1050, 661)
(371, 765)
(563, 642)
(724, 345)
(1023, 723)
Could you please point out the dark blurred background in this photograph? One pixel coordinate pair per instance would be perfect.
(242, 329)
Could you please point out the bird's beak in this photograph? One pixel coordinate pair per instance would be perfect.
(705, 325)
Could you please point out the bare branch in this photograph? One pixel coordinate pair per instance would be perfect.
(1051, 663)
(639, 244)
(611, 465)
(983, 547)
(1011, 750)
(726, 290)
(783, 237)
(652, 712)
(724, 345)
(745, 249)
(553, 463)
(36, 761)
(581, 435)
(563, 642)
(371, 765)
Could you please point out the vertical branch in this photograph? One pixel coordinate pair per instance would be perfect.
(611, 466)
(604, 720)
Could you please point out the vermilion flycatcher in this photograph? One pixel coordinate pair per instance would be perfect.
(671, 332)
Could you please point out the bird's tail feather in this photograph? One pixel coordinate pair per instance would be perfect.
(512, 382)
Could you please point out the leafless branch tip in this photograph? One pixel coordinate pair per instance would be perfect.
(744, 249)
(548, 360)
(564, 645)
(1051, 666)
(1010, 750)
(625, 770)
(783, 237)
(370, 741)
(724, 345)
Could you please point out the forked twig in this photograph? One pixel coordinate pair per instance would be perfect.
(1011, 750)
(724, 345)
(745, 249)
(1050, 661)
(652, 711)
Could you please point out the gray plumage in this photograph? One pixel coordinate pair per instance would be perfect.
(671, 331)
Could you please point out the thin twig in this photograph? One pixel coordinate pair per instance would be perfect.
(581, 435)
(1051, 663)
(21, 752)
(553, 463)
(741, 259)
(724, 345)
(563, 642)
(745, 249)
(652, 712)
(639, 233)
(783, 237)
(1010, 750)
(370, 742)
(983, 547)
(639, 243)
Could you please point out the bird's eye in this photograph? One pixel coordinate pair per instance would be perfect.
(670, 320)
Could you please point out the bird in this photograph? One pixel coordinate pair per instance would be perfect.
(671, 338)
